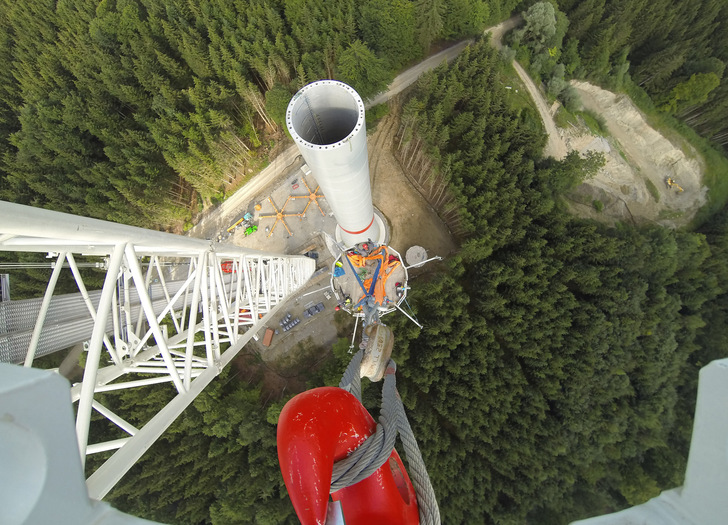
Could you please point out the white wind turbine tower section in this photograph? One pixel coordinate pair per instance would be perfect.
(128, 344)
(326, 120)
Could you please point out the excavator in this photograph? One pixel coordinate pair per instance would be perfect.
(672, 183)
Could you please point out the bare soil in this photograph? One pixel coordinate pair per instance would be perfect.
(632, 186)
(411, 219)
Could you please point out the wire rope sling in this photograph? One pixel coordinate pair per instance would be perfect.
(329, 444)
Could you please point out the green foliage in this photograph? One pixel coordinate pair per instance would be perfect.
(276, 103)
(429, 23)
(388, 28)
(675, 50)
(375, 114)
(594, 122)
(216, 464)
(551, 373)
(570, 99)
(564, 118)
(555, 373)
(538, 44)
(465, 18)
(691, 92)
(539, 31)
(507, 54)
(598, 205)
(556, 85)
(126, 110)
(363, 70)
(652, 189)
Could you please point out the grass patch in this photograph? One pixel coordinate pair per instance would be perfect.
(598, 205)
(653, 190)
(580, 198)
(516, 93)
(669, 214)
(594, 122)
(375, 114)
(519, 100)
(564, 118)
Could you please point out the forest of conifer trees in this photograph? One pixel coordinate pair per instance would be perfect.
(676, 52)
(555, 376)
(556, 373)
(125, 109)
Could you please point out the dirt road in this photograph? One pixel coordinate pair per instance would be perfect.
(631, 187)
(217, 220)
(408, 77)
(555, 146)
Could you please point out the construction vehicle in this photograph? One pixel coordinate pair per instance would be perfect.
(672, 183)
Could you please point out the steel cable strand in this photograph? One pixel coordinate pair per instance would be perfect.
(377, 448)
(426, 499)
(351, 380)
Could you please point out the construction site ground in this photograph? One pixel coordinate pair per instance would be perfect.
(410, 218)
(632, 186)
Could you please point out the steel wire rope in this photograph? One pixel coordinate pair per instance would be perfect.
(374, 452)
(410, 309)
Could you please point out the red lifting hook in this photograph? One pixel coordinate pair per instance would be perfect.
(321, 426)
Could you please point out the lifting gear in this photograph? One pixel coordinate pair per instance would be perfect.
(328, 443)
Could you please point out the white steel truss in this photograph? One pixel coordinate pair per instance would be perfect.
(226, 295)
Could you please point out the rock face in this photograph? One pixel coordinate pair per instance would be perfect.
(632, 186)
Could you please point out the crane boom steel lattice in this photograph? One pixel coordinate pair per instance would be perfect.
(126, 337)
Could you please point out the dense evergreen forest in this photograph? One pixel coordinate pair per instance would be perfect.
(132, 110)
(555, 376)
(675, 51)
(125, 109)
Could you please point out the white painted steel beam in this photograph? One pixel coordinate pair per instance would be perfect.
(44, 310)
(150, 337)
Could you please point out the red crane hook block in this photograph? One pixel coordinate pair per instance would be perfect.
(321, 426)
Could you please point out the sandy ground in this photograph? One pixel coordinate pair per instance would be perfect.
(412, 220)
(632, 185)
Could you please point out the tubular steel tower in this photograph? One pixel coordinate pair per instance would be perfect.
(326, 119)
(124, 325)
